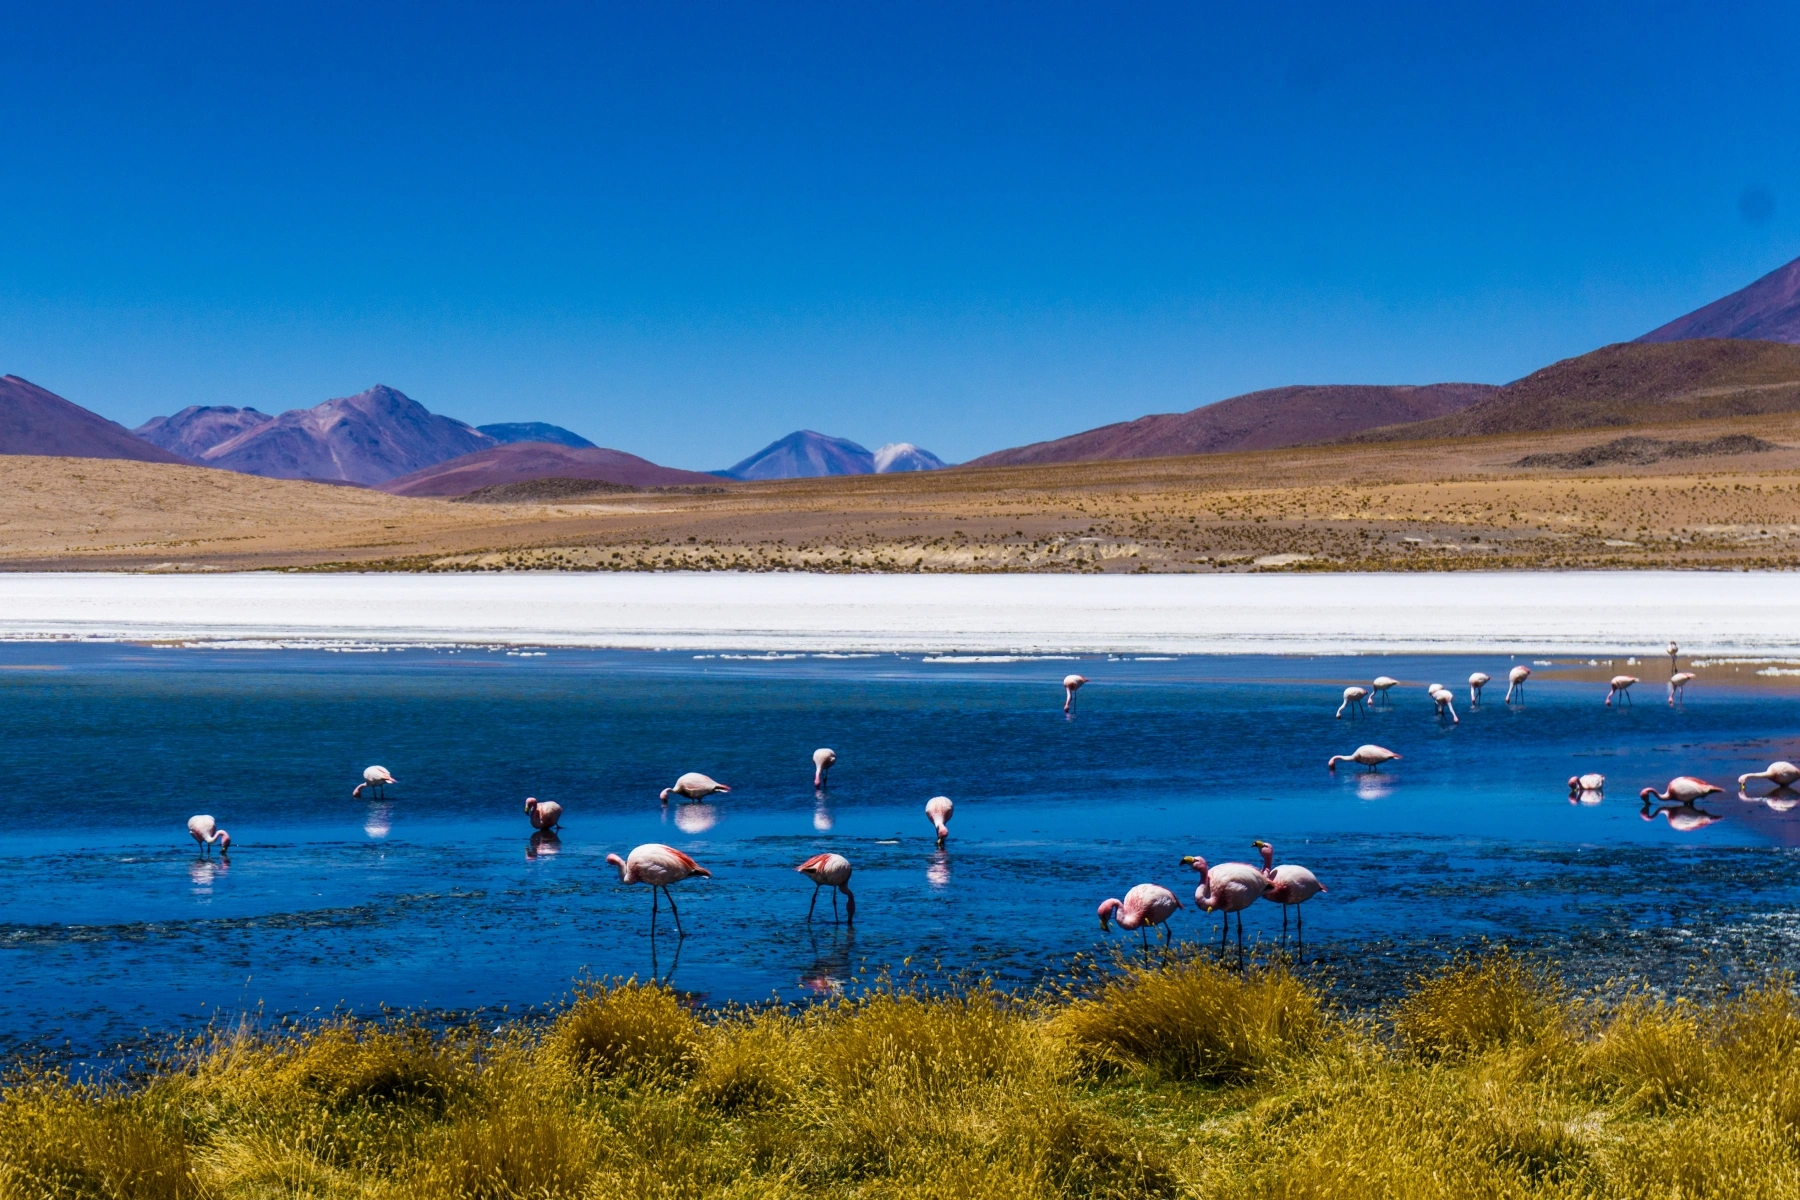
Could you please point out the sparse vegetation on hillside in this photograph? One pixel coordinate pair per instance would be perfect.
(1175, 1078)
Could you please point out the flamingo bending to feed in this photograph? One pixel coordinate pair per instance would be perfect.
(1369, 756)
(1620, 687)
(1683, 789)
(1228, 888)
(1353, 700)
(1781, 774)
(1678, 686)
(1477, 681)
(544, 814)
(1444, 700)
(659, 866)
(1515, 681)
(939, 810)
(205, 830)
(1381, 685)
(1289, 885)
(694, 786)
(1145, 905)
(823, 761)
(832, 871)
(1071, 685)
(1593, 781)
(377, 778)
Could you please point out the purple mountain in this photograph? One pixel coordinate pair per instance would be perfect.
(368, 438)
(1766, 311)
(34, 421)
(807, 455)
(199, 427)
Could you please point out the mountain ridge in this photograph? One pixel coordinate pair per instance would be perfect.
(521, 462)
(1766, 310)
(35, 420)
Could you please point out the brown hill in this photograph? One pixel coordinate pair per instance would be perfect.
(1266, 420)
(1767, 310)
(1631, 383)
(517, 462)
(34, 421)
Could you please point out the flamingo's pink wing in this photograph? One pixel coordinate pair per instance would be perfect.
(814, 863)
(689, 863)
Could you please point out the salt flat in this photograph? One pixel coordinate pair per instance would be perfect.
(1570, 612)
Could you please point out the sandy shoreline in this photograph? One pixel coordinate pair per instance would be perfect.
(1571, 612)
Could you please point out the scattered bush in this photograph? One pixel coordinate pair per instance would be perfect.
(1473, 1005)
(633, 1031)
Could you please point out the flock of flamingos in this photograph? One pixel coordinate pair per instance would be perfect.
(1226, 888)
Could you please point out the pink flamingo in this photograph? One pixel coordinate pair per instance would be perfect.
(694, 786)
(1369, 756)
(1620, 687)
(1071, 685)
(1477, 681)
(659, 866)
(1228, 888)
(1515, 681)
(832, 871)
(1353, 700)
(1441, 696)
(377, 778)
(1381, 685)
(1145, 905)
(939, 810)
(1289, 885)
(1593, 781)
(1678, 686)
(544, 814)
(1781, 774)
(204, 830)
(1683, 789)
(823, 761)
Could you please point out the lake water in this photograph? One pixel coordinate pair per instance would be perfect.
(112, 924)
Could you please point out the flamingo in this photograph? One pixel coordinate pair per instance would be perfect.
(377, 778)
(1071, 685)
(1228, 888)
(1289, 885)
(1369, 756)
(544, 814)
(659, 866)
(1441, 695)
(939, 810)
(204, 829)
(1381, 685)
(1683, 789)
(694, 786)
(823, 761)
(832, 871)
(1353, 700)
(1145, 905)
(1677, 686)
(1515, 681)
(1781, 774)
(1477, 681)
(1593, 781)
(1621, 687)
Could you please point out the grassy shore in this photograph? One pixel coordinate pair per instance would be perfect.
(1180, 1079)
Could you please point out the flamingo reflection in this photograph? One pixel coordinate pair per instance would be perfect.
(378, 822)
(822, 814)
(696, 818)
(544, 842)
(1682, 818)
(937, 873)
(826, 974)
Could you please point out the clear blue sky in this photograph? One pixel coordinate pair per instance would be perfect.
(686, 230)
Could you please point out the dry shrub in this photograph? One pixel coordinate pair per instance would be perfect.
(630, 1031)
(352, 1062)
(1196, 1020)
(513, 1142)
(1083, 1153)
(929, 1042)
(59, 1142)
(1651, 1056)
(1472, 1005)
(749, 1064)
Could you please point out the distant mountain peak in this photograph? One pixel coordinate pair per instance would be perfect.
(904, 456)
(1767, 310)
(808, 454)
(199, 427)
(34, 420)
(535, 431)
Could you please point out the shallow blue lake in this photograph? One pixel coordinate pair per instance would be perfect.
(112, 924)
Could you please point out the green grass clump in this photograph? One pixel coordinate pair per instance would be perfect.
(1184, 1079)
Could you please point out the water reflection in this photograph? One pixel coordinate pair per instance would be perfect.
(1781, 800)
(821, 813)
(379, 821)
(938, 873)
(830, 969)
(1587, 796)
(544, 842)
(696, 818)
(202, 871)
(1371, 786)
(1683, 818)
